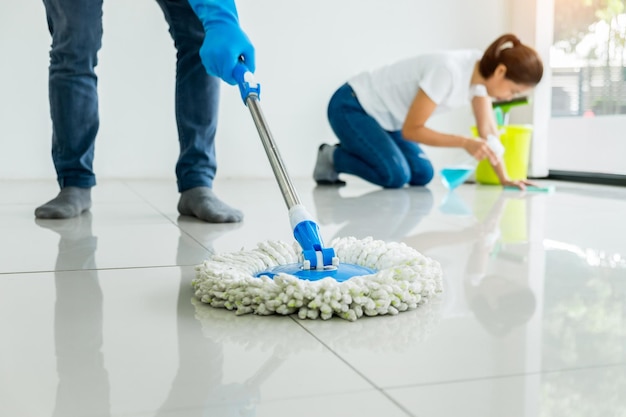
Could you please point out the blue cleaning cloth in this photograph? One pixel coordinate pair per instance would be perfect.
(532, 188)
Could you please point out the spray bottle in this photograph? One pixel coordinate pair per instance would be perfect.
(457, 174)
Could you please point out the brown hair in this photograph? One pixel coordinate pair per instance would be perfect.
(523, 64)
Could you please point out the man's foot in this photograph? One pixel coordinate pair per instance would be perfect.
(202, 203)
(324, 172)
(71, 202)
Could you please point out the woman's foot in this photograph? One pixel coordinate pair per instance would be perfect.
(324, 172)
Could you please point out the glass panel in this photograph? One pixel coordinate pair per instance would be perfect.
(588, 58)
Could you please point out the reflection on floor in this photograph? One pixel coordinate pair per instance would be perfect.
(97, 316)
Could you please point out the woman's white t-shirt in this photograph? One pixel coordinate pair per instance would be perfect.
(387, 93)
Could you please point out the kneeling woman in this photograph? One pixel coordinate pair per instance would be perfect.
(380, 116)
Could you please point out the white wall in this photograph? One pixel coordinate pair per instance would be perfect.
(533, 21)
(582, 144)
(305, 50)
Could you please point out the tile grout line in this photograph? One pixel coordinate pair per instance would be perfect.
(92, 269)
(131, 189)
(376, 387)
(393, 401)
(513, 375)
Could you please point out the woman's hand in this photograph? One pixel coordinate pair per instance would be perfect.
(479, 149)
(521, 184)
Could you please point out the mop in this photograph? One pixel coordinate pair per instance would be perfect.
(350, 279)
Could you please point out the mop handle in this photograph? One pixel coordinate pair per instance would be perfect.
(284, 182)
(305, 230)
(250, 91)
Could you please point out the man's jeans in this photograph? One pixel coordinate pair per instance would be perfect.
(370, 152)
(76, 29)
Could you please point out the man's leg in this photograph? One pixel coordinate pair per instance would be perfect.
(197, 103)
(76, 30)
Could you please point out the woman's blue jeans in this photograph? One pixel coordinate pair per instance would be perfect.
(369, 151)
(76, 30)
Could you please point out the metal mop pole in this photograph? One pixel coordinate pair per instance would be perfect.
(305, 230)
(280, 172)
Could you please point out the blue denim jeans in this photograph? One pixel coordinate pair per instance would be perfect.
(76, 30)
(368, 151)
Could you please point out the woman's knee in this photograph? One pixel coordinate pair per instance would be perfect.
(395, 177)
(422, 177)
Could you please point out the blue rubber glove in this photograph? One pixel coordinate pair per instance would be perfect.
(225, 42)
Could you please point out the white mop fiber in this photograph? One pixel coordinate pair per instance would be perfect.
(405, 279)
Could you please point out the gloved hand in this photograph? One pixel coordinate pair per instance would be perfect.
(224, 42)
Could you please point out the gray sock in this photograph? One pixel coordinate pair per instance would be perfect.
(70, 202)
(324, 172)
(202, 203)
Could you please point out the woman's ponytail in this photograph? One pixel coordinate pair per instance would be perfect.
(523, 64)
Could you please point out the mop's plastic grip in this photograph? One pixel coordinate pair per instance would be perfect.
(316, 256)
(307, 233)
(246, 82)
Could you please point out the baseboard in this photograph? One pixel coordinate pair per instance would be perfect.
(588, 177)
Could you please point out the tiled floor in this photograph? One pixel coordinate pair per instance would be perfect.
(97, 315)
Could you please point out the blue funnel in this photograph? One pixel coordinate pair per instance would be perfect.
(454, 176)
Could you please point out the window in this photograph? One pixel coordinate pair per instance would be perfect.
(588, 58)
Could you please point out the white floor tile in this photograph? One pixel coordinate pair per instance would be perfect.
(97, 315)
(594, 392)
